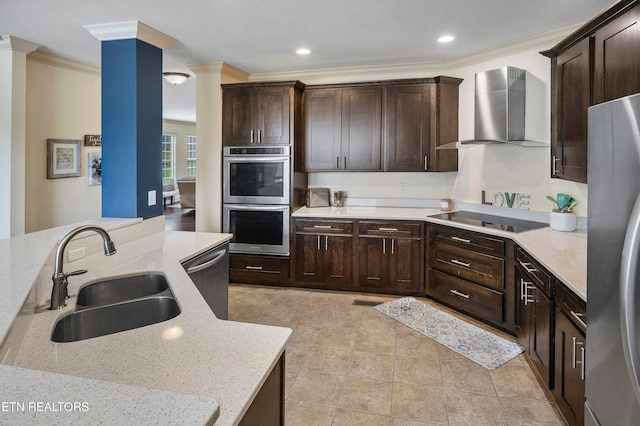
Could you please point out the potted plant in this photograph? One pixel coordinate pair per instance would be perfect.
(562, 217)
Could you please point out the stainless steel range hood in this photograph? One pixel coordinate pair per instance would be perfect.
(499, 109)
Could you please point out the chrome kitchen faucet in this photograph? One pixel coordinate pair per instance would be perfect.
(59, 292)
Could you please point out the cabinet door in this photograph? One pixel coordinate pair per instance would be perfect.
(338, 260)
(569, 386)
(406, 142)
(541, 349)
(373, 262)
(361, 129)
(617, 57)
(405, 267)
(571, 98)
(309, 258)
(322, 129)
(238, 116)
(273, 115)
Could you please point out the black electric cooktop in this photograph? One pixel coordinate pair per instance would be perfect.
(489, 221)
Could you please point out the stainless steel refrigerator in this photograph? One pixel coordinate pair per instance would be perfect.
(613, 255)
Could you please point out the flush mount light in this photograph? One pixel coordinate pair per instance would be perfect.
(303, 51)
(446, 39)
(175, 78)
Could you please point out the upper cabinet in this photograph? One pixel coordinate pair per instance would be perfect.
(343, 128)
(597, 63)
(259, 113)
(387, 125)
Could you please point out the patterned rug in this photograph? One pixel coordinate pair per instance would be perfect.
(480, 346)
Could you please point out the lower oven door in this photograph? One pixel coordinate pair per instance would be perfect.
(262, 229)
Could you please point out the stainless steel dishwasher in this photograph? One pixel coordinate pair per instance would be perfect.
(209, 272)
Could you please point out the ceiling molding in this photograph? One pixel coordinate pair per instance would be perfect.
(129, 30)
(9, 42)
(178, 122)
(220, 68)
(419, 69)
(47, 58)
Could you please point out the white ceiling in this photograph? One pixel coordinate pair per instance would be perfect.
(261, 36)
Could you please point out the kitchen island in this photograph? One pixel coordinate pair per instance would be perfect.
(192, 369)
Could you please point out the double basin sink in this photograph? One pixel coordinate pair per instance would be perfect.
(118, 304)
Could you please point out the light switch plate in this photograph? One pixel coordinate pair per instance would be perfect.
(152, 197)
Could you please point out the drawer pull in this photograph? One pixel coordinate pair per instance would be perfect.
(462, 240)
(457, 293)
(253, 268)
(388, 229)
(577, 318)
(525, 286)
(460, 263)
(322, 226)
(526, 265)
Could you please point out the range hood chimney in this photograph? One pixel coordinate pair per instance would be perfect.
(499, 109)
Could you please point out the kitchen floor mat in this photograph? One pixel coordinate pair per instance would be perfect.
(474, 343)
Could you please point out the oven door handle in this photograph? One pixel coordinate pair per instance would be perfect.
(255, 207)
(256, 159)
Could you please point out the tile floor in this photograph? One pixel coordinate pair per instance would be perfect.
(351, 365)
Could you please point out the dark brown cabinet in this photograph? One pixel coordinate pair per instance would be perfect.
(259, 113)
(466, 271)
(324, 253)
(257, 269)
(534, 314)
(570, 348)
(390, 256)
(597, 63)
(343, 127)
(421, 115)
(267, 408)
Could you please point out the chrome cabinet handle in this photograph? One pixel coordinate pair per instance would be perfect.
(525, 286)
(326, 242)
(576, 343)
(458, 262)
(318, 242)
(253, 268)
(582, 372)
(457, 293)
(393, 246)
(426, 163)
(463, 240)
(259, 136)
(322, 226)
(384, 245)
(253, 140)
(554, 168)
(388, 229)
(526, 265)
(577, 318)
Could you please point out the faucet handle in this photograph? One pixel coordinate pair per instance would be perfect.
(66, 283)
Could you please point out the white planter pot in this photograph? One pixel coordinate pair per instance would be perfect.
(565, 222)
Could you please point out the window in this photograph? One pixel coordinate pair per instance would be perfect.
(191, 155)
(168, 156)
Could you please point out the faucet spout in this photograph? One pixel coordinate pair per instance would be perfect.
(59, 291)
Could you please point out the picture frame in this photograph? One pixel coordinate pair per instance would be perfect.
(94, 168)
(92, 140)
(63, 158)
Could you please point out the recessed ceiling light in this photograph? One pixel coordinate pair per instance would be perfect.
(446, 39)
(303, 51)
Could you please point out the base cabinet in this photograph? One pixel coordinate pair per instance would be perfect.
(267, 408)
(256, 269)
(534, 314)
(570, 349)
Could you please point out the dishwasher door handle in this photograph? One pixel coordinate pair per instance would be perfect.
(205, 265)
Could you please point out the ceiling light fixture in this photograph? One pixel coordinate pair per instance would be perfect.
(175, 78)
(303, 51)
(446, 39)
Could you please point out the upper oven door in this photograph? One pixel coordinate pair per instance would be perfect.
(257, 180)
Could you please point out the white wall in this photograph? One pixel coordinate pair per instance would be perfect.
(63, 102)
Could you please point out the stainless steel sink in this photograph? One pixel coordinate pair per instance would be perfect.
(114, 318)
(120, 289)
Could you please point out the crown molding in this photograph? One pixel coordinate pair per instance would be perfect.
(9, 42)
(220, 68)
(129, 30)
(178, 122)
(419, 69)
(47, 58)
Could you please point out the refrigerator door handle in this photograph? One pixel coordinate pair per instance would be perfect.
(628, 275)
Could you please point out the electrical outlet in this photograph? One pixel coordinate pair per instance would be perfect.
(76, 254)
(403, 187)
(151, 198)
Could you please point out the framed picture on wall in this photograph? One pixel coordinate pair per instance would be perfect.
(95, 168)
(63, 158)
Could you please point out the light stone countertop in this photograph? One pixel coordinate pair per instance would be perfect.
(196, 367)
(563, 253)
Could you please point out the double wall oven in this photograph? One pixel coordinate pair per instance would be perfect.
(256, 198)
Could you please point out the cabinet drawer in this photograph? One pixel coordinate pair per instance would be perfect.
(482, 243)
(465, 296)
(472, 266)
(324, 226)
(572, 306)
(258, 269)
(390, 229)
(534, 271)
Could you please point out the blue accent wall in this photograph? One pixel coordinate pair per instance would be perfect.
(131, 128)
